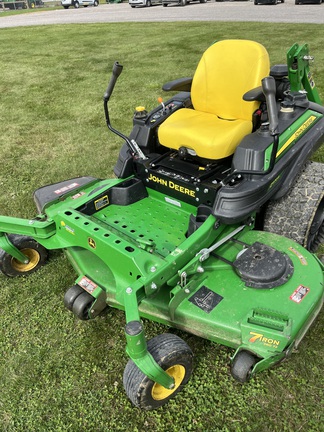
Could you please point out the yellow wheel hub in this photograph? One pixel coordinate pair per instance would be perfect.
(33, 259)
(178, 373)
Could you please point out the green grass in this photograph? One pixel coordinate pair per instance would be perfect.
(60, 374)
(54, 5)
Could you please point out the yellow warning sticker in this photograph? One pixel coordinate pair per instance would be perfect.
(101, 202)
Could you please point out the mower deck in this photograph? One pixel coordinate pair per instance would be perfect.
(263, 314)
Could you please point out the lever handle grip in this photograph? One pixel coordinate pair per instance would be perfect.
(269, 90)
(116, 71)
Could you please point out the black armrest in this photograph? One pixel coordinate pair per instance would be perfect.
(180, 84)
(255, 94)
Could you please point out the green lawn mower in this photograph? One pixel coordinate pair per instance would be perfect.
(210, 225)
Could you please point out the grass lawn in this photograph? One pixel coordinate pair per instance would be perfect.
(60, 374)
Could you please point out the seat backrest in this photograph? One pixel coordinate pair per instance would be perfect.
(226, 71)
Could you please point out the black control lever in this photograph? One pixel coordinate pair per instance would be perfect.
(269, 90)
(131, 143)
(117, 70)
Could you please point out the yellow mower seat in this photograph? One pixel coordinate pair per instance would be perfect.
(220, 118)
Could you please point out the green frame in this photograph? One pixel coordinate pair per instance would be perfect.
(157, 272)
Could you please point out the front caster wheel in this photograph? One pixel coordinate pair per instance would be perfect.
(242, 366)
(175, 357)
(35, 252)
(71, 295)
(82, 305)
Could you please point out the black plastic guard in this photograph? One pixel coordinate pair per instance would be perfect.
(53, 192)
(235, 203)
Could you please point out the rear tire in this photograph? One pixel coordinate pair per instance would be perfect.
(175, 357)
(299, 214)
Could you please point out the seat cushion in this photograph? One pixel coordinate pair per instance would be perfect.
(221, 118)
(217, 138)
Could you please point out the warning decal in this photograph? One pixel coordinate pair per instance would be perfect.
(87, 284)
(206, 299)
(298, 295)
(101, 202)
(66, 188)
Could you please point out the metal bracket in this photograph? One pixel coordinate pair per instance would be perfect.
(183, 279)
(11, 249)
